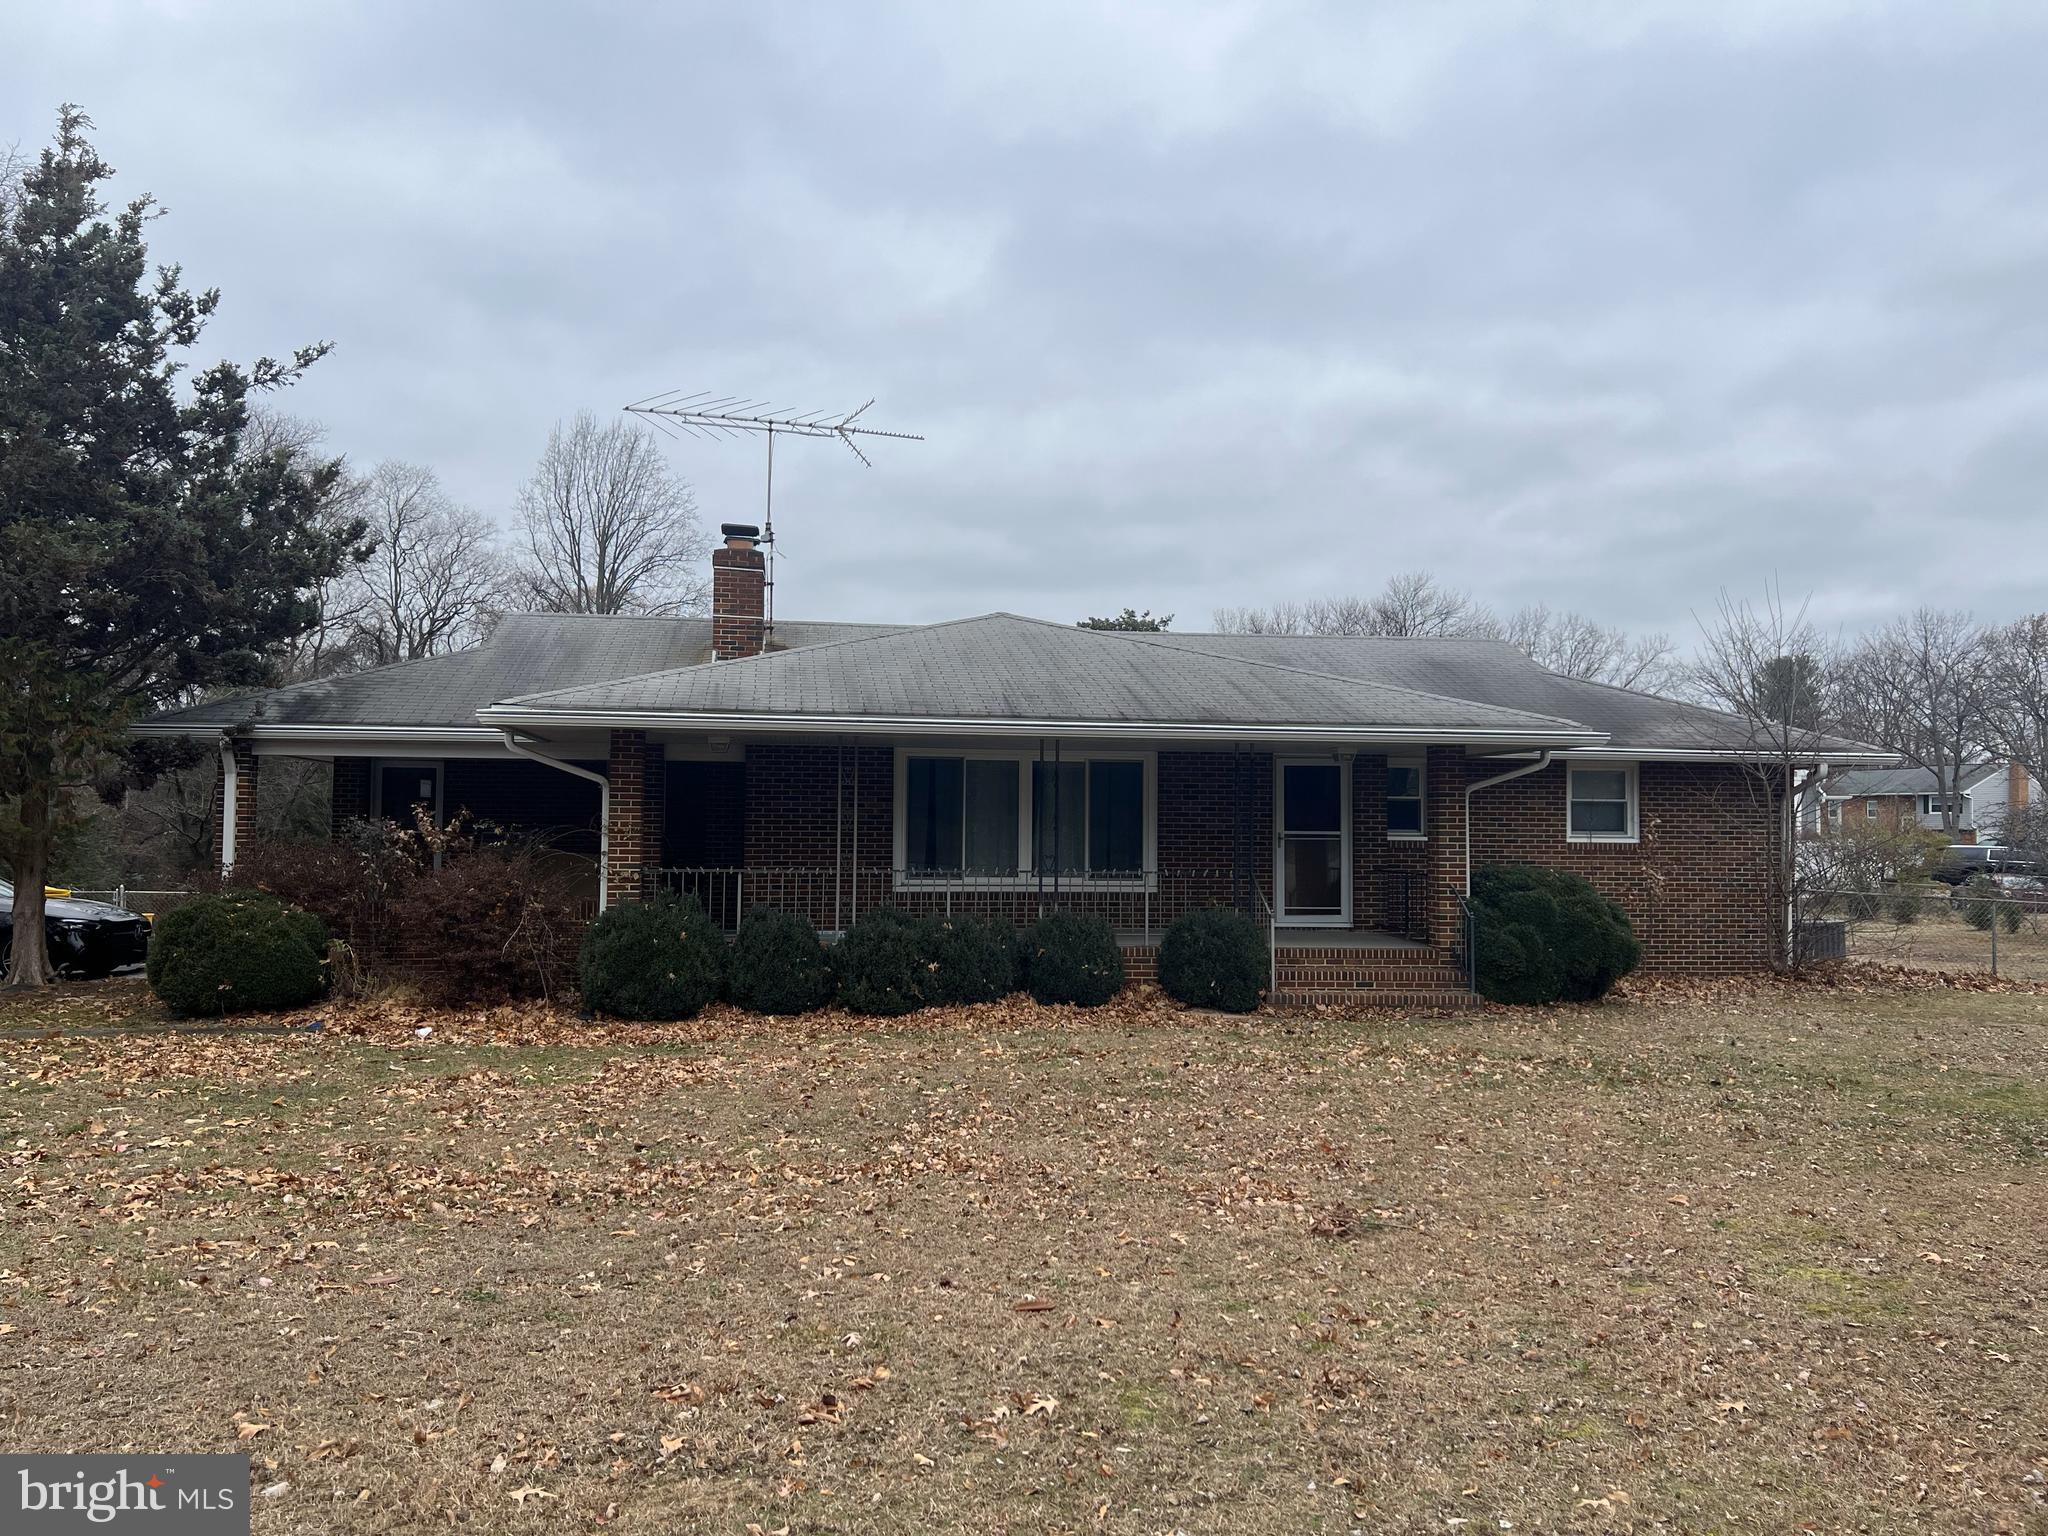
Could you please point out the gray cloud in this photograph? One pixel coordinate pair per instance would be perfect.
(1605, 306)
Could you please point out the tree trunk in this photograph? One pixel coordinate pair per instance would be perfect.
(28, 963)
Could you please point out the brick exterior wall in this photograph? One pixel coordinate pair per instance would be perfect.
(1695, 886)
(247, 776)
(1215, 812)
(1895, 813)
(739, 595)
(798, 805)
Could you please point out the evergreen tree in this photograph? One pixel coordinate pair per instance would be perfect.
(146, 555)
(1130, 618)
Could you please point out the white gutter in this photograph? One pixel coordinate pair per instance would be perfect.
(604, 809)
(1717, 755)
(1090, 729)
(1542, 762)
(414, 733)
(230, 790)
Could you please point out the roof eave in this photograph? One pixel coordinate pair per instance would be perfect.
(332, 731)
(1622, 751)
(927, 725)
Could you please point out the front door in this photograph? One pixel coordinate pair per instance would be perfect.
(1313, 815)
(403, 786)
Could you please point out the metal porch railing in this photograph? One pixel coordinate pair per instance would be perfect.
(1138, 904)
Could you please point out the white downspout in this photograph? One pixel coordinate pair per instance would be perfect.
(230, 791)
(604, 808)
(1542, 762)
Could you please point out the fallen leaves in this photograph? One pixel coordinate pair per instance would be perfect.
(683, 1266)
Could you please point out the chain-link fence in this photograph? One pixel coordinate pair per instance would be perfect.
(133, 899)
(1984, 928)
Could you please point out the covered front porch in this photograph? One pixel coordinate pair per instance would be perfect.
(1330, 845)
(1325, 841)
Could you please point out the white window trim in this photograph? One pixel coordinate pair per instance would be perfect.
(1419, 761)
(1026, 877)
(1870, 810)
(1634, 832)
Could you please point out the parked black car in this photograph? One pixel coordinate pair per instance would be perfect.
(1962, 860)
(86, 938)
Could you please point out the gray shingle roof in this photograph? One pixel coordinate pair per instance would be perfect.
(1000, 667)
(526, 652)
(992, 668)
(1494, 672)
(1859, 782)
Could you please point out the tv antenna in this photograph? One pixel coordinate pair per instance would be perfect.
(705, 415)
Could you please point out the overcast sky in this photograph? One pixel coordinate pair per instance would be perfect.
(1608, 305)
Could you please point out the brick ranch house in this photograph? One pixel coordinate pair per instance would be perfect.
(1902, 798)
(1340, 789)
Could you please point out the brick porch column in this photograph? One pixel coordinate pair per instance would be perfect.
(625, 832)
(1443, 790)
(653, 810)
(350, 799)
(238, 830)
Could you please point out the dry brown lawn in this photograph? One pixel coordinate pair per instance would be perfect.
(1942, 941)
(1760, 1260)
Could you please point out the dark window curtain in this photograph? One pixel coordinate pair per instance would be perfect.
(931, 813)
(991, 816)
(1116, 818)
(1060, 837)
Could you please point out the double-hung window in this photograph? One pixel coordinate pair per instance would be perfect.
(1601, 803)
(1404, 797)
(1008, 815)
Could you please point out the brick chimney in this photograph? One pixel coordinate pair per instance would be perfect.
(739, 591)
(2016, 787)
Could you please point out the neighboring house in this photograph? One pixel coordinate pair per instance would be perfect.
(1902, 798)
(1339, 788)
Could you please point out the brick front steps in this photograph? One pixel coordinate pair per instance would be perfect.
(1333, 976)
(1329, 977)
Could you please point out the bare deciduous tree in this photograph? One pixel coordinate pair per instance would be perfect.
(610, 528)
(1576, 646)
(1769, 665)
(2018, 692)
(435, 575)
(12, 163)
(333, 644)
(1921, 686)
(1410, 604)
